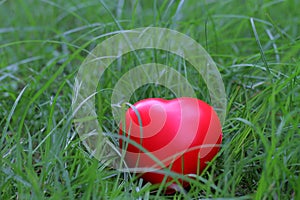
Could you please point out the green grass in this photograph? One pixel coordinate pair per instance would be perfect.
(255, 44)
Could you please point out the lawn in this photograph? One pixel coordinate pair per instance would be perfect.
(256, 48)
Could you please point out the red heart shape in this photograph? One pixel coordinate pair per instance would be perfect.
(184, 133)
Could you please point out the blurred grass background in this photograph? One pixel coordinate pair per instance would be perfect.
(255, 45)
